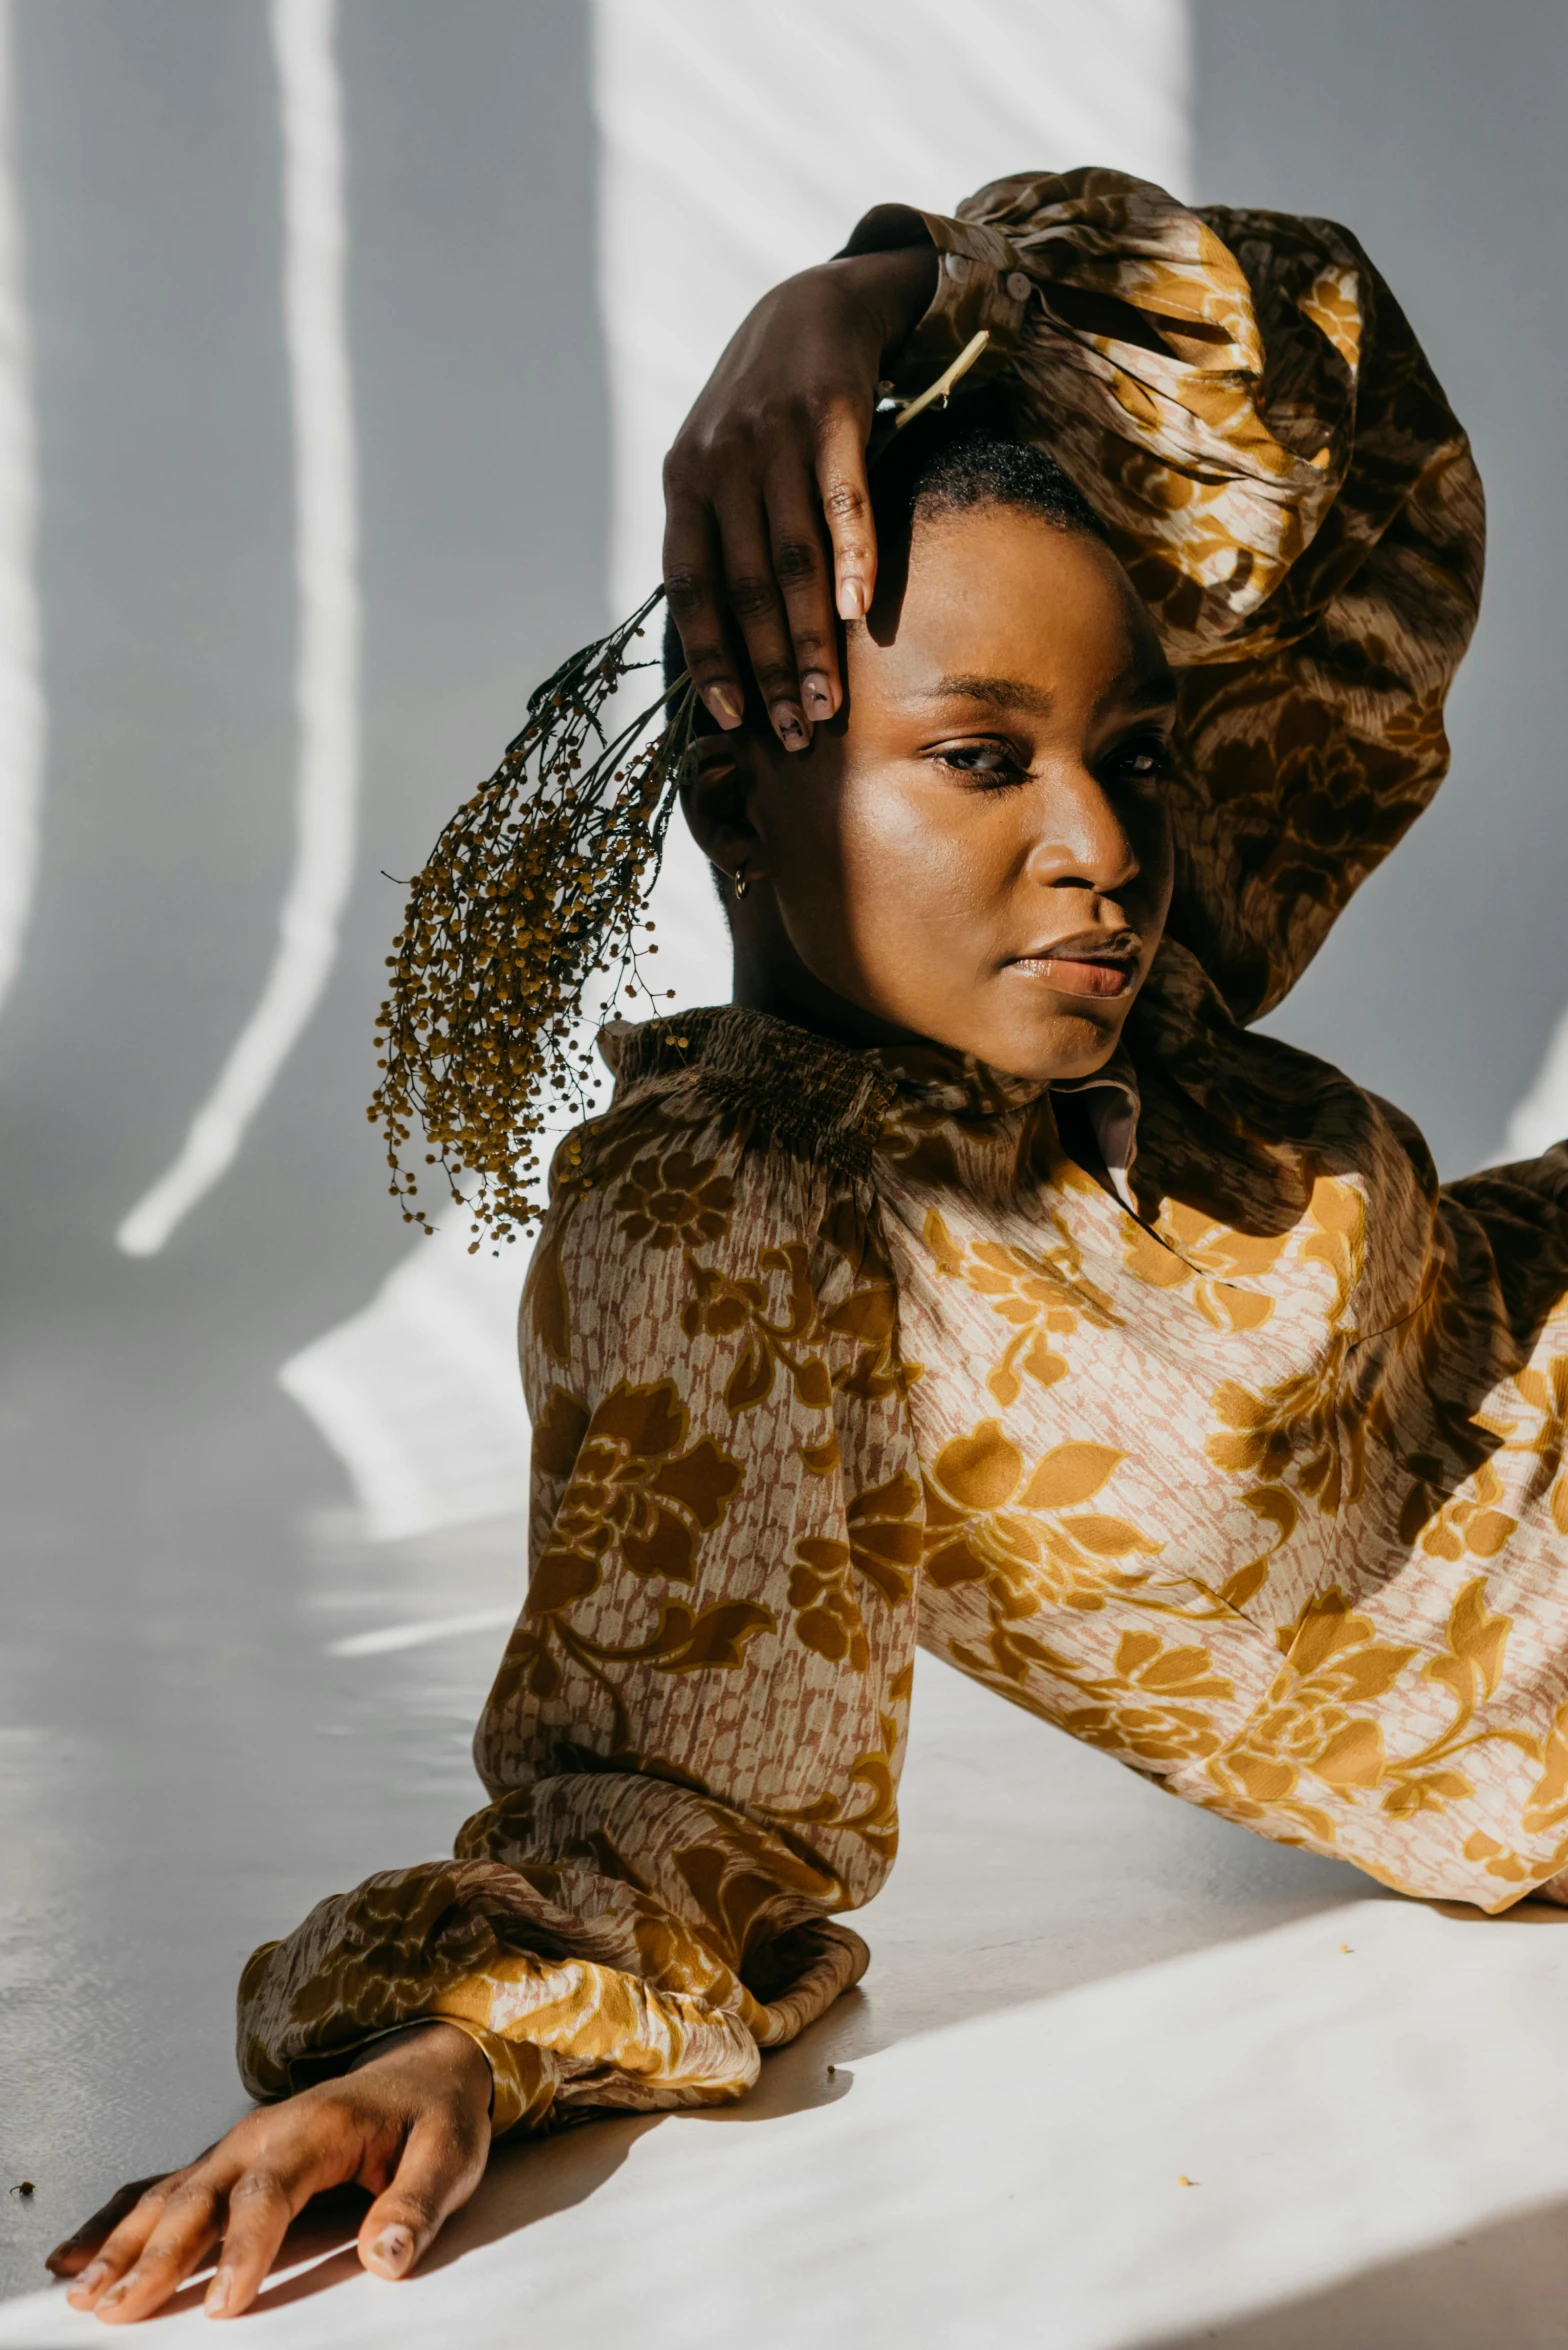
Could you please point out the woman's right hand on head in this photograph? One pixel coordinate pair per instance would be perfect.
(410, 2122)
(768, 529)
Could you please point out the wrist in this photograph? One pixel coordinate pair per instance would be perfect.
(893, 289)
(431, 2040)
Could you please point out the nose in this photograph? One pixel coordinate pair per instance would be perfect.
(1081, 840)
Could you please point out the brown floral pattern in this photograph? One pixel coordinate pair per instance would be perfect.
(670, 1197)
(827, 1579)
(1262, 1488)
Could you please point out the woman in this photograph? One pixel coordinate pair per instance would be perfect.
(977, 1276)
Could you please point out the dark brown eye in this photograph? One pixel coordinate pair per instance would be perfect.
(988, 762)
(1146, 759)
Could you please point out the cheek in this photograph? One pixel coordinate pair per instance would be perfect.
(1155, 843)
(877, 876)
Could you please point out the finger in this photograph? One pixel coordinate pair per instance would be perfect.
(803, 568)
(846, 505)
(443, 2162)
(184, 2235)
(752, 594)
(152, 2251)
(262, 2204)
(74, 2253)
(693, 589)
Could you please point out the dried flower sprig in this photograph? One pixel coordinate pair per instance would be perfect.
(534, 890)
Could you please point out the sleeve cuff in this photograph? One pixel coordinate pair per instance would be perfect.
(981, 285)
(522, 2076)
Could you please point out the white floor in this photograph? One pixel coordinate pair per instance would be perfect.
(1120, 2075)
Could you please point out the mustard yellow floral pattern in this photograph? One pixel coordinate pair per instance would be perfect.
(1256, 1478)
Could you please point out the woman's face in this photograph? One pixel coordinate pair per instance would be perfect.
(977, 850)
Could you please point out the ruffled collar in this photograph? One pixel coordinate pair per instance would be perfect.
(829, 1101)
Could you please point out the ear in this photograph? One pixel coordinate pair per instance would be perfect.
(716, 804)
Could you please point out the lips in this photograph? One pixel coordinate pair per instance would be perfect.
(1089, 963)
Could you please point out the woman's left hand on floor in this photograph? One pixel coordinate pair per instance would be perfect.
(409, 2122)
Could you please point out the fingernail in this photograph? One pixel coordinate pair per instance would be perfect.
(725, 703)
(217, 2300)
(852, 600)
(89, 2281)
(789, 726)
(818, 693)
(117, 2293)
(393, 2248)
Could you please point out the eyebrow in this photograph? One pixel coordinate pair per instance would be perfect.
(1154, 692)
(1149, 692)
(997, 693)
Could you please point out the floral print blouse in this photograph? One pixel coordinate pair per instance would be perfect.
(1245, 1464)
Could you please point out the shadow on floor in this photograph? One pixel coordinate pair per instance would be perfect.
(1507, 2283)
(533, 2180)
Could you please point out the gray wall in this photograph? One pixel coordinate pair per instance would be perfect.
(165, 1798)
(151, 191)
(1439, 131)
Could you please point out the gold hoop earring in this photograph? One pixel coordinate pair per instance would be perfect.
(741, 884)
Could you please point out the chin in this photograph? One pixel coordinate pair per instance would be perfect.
(1072, 1045)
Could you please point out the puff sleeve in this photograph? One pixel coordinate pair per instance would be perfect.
(692, 1746)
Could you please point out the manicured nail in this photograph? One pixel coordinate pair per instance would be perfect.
(725, 703)
(790, 726)
(394, 2248)
(88, 2282)
(217, 2300)
(852, 600)
(818, 694)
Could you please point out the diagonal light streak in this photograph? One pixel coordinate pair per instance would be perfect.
(1541, 1119)
(392, 1637)
(326, 569)
(22, 710)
